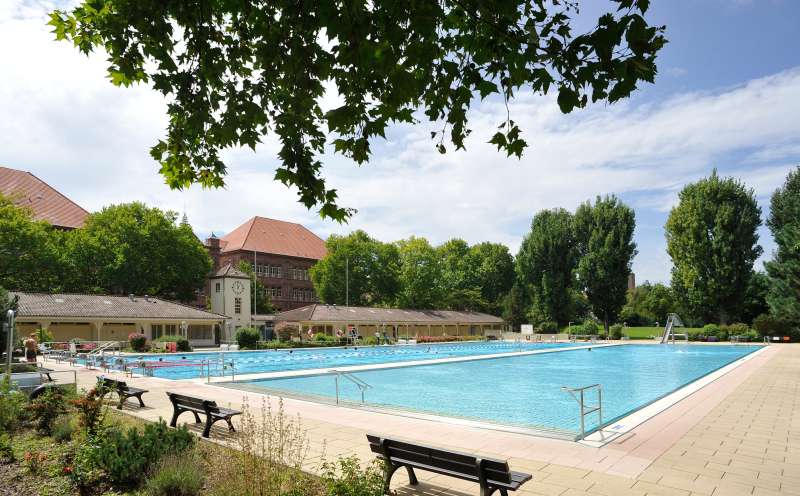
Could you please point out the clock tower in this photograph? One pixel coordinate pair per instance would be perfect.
(229, 292)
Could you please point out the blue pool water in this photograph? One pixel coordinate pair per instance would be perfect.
(526, 390)
(250, 362)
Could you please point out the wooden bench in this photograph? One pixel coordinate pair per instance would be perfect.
(122, 389)
(213, 413)
(492, 475)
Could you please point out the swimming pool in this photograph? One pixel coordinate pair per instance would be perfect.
(251, 362)
(524, 391)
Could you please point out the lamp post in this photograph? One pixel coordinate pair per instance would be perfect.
(185, 329)
(9, 324)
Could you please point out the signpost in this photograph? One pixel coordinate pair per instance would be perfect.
(526, 329)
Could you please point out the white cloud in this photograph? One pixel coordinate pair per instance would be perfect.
(66, 123)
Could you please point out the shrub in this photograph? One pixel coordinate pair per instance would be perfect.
(127, 457)
(6, 450)
(616, 331)
(181, 342)
(347, 478)
(44, 336)
(446, 339)
(590, 327)
(137, 341)
(34, 461)
(271, 449)
(737, 329)
(575, 329)
(12, 406)
(768, 325)
(711, 330)
(46, 407)
(91, 410)
(63, 429)
(548, 327)
(176, 476)
(247, 338)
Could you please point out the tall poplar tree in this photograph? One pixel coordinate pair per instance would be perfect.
(545, 265)
(783, 295)
(712, 239)
(604, 232)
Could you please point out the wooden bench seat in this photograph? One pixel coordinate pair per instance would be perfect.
(491, 474)
(182, 403)
(122, 389)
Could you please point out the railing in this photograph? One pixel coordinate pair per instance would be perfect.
(578, 394)
(361, 384)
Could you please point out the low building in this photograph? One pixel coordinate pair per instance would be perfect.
(46, 203)
(396, 323)
(113, 318)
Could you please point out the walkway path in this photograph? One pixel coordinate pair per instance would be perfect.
(739, 435)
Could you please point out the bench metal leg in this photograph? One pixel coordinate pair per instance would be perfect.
(412, 477)
(388, 471)
(209, 422)
(141, 403)
(230, 425)
(121, 402)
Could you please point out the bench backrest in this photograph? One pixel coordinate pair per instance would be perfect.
(114, 384)
(192, 402)
(451, 461)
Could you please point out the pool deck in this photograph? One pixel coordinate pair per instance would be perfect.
(740, 434)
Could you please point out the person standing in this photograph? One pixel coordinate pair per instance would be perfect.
(30, 348)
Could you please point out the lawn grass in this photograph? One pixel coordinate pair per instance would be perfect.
(648, 332)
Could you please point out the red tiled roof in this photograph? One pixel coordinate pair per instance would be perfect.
(319, 312)
(47, 204)
(275, 237)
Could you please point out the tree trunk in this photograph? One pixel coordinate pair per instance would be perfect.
(605, 322)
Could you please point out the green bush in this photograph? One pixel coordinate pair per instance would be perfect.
(46, 408)
(63, 429)
(616, 331)
(575, 329)
(247, 338)
(737, 329)
(548, 327)
(176, 476)
(769, 325)
(181, 342)
(44, 336)
(590, 327)
(127, 457)
(347, 478)
(137, 341)
(12, 406)
(711, 330)
(6, 449)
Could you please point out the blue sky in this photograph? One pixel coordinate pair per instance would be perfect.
(727, 96)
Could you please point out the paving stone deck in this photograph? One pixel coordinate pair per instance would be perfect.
(739, 435)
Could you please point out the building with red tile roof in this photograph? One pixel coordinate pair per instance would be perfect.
(46, 203)
(280, 252)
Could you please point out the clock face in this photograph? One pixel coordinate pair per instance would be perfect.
(238, 287)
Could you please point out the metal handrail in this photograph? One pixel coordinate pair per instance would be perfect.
(360, 383)
(587, 409)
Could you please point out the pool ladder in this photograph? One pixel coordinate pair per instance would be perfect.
(578, 394)
(360, 383)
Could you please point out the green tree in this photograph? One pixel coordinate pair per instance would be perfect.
(514, 307)
(605, 240)
(420, 275)
(783, 295)
(263, 302)
(234, 71)
(373, 269)
(713, 242)
(545, 265)
(755, 298)
(457, 269)
(659, 302)
(492, 272)
(29, 250)
(131, 248)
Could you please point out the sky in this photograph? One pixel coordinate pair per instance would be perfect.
(727, 96)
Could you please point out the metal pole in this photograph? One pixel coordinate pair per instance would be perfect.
(336, 377)
(254, 288)
(347, 281)
(600, 406)
(583, 430)
(10, 318)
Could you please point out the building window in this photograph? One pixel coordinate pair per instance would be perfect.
(298, 274)
(158, 330)
(237, 305)
(203, 332)
(217, 287)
